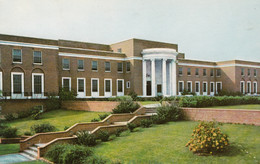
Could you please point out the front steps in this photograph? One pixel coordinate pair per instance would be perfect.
(32, 152)
(151, 109)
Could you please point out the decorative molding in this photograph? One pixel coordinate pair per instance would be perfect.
(159, 53)
(28, 45)
(218, 66)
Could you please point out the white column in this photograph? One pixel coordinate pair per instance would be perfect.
(164, 77)
(170, 79)
(144, 78)
(153, 76)
(174, 76)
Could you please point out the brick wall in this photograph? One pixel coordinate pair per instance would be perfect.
(223, 115)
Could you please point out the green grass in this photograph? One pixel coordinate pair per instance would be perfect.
(249, 107)
(9, 148)
(148, 102)
(166, 144)
(58, 118)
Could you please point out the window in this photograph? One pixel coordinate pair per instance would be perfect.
(248, 87)
(197, 72)
(119, 50)
(66, 64)
(128, 68)
(189, 86)
(1, 83)
(80, 85)
(17, 55)
(128, 84)
(107, 67)
(255, 87)
(188, 72)
(119, 86)
(212, 72)
(180, 71)
(37, 83)
(66, 83)
(181, 86)
(242, 86)
(218, 72)
(94, 85)
(212, 87)
(37, 57)
(17, 84)
(197, 87)
(204, 72)
(120, 67)
(205, 87)
(242, 71)
(248, 72)
(255, 72)
(80, 64)
(94, 65)
(219, 87)
(107, 86)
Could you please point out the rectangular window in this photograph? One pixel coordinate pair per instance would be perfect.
(17, 84)
(119, 50)
(120, 67)
(248, 87)
(218, 72)
(180, 71)
(189, 86)
(212, 87)
(197, 72)
(66, 64)
(181, 86)
(119, 86)
(107, 83)
(248, 72)
(94, 85)
(128, 84)
(94, 65)
(80, 64)
(255, 72)
(17, 55)
(66, 83)
(197, 87)
(128, 68)
(37, 84)
(212, 72)
(37, 57)
(204, 72)
(107, 67)
(242, 86)
(189, 72)
(205, 87)
(242, 71)
(80, 85)
(255, 87)
(219, 87)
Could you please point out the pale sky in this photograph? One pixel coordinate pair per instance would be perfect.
(211, 30)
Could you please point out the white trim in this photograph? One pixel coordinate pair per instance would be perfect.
(120, 93)
(218, 66)
(219, 82)
(90, 50)
(42, 87)
(22, 87)
(250, 88)
(107, 94)
(212, 93)
(23, 44)
(81, 94)
(69, 81)
(95, 94)
(190, 86)
(243, 87)
(128, 83)
(197, 82)
(255, 82)
(1, 83)
(179, 92)
(205, 93)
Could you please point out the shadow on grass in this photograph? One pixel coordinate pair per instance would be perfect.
(233, 150)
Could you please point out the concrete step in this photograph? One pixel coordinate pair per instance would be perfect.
(31, 153)
(27, 156)
(40, 144)
(120, 123)
(33, 148)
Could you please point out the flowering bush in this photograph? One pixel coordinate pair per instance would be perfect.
(207, 138)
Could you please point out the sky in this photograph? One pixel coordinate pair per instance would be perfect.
(210, 30)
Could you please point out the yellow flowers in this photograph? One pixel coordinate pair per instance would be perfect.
(214, 134)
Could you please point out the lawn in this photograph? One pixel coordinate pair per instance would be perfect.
(249, 107)
(9, 148)
(58, 118)
(148, 102)
(166, 144)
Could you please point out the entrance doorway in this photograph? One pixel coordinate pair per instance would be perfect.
(148, 88)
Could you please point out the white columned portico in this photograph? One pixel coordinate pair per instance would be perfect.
(173, 79)
(153, 77)
(144, 78)
(164, 76)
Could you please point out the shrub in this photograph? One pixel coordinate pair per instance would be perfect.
(133, 95)
(95, 160)
(126, 105)
(103, 135)
(207, 138)
(118, 132)
(23, 114)
(84, 138)
(27, 133)
(66, 127)
(55, 152)
(146, 123)
(42, 128)
(52, 103)
(131, 126)
(168, 113)
(67, 95)
(103, 116)
(95, 120)
(9, 117)
(9, 132)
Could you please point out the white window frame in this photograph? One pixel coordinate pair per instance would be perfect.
(1, 83)
(41, 59)
(120, 93)
(197, 93)
(250, 89)
(107, 94)
(205, 93)
(243, 86)
(69, 80)
(212, 93)
(190, 85)
(12, 89)
(42, 89)
(219, 82)
(81, 94)
(255, 87)
(13, 55)
(95, 94)
(128, 84)
(179, 87)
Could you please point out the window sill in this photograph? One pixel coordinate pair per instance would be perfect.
(94, 70)
(128, 71)
(81, 70)
(65, 69)
(17, 62)
(107, 71)
(37, 64)
(119, 72)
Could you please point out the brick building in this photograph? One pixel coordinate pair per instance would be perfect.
(33, 68)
